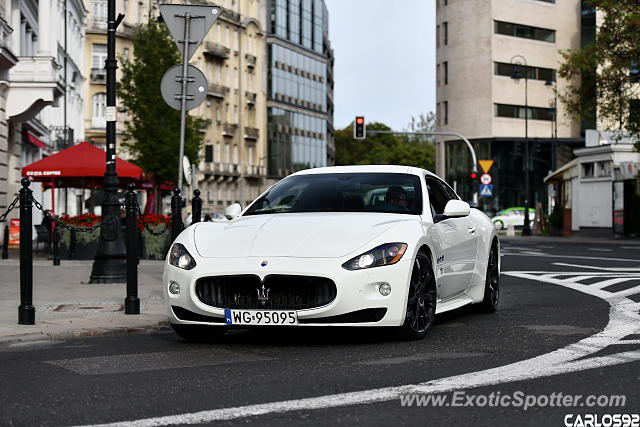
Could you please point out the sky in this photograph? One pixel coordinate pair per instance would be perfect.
(384, 60)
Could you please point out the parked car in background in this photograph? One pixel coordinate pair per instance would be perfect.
(512, 216)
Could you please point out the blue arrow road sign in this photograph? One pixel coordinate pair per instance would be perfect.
(486, 190)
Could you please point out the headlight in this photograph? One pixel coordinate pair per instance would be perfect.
(386, 254)
(180, 257)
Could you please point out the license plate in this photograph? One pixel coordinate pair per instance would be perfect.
(260, 317)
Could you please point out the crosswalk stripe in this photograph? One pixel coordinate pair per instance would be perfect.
(630, 291)
(610, 282)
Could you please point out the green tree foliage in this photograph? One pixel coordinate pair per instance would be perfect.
(384, 149)
(152, 132)
(599, 74)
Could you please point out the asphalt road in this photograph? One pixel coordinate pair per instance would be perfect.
(132, 377)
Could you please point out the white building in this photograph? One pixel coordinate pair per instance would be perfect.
(596, 189)
(32, 83)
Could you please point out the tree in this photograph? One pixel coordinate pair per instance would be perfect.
(152, 132)
(603, 76)
(383, 149)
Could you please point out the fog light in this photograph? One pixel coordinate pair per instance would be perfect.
(385, 289)
(174, 288)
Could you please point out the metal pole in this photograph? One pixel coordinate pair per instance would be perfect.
(26, 310)
(110, 263)
(183, 94)
(176, 214)
(196, 207)
(526, 230)
(5, 242)
(132, 302)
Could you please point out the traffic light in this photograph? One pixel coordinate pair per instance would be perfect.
(473, 176)
(359, 128)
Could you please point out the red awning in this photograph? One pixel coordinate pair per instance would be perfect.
(84, 161)
(35, 141)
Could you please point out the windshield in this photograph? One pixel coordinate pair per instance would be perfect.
(342, 192)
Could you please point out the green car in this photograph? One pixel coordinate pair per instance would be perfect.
(512, 216)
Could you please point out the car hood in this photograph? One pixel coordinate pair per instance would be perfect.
(302, 235)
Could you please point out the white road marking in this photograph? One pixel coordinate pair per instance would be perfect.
(572, 256)
(601, 249)
(629, 292)
(605, 283)
(591, 267)
(624, 320)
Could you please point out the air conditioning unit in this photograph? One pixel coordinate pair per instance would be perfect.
(98, 74)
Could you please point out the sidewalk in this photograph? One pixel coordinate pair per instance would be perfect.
(67, 306)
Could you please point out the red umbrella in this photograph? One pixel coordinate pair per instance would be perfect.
(80, 166)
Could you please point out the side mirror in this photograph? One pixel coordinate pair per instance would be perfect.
(456, 209)
(232, 211)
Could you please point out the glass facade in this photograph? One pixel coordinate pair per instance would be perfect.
(296, 141)
(300, 122)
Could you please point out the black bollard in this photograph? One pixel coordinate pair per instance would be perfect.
(132, 302)
(196, 207)
(26, 310)
(56, 243)
(176, 214)
(5, 242)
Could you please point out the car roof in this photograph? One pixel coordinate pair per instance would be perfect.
(366, 169)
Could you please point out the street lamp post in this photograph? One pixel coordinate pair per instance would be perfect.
(110, 262)
(520, 62)
(554, 129)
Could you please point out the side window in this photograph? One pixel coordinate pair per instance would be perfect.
(452, 194)
(438, 198)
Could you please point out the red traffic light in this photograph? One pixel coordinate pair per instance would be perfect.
(360, 128)
(473, 175)
(359, 120)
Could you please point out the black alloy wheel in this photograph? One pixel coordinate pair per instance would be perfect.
(491, 298)
(421, 301)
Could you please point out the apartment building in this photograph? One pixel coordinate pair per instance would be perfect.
(484, 51)
(41, 50)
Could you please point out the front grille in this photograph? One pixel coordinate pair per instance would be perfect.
(284, 292)
(184, 314)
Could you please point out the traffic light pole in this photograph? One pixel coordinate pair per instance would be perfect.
(474, 159)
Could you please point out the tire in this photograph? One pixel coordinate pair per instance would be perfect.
(499, 225)
(198, 333)
(491, 296)
(421, 300)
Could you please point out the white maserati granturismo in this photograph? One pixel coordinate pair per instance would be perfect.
(336, 246)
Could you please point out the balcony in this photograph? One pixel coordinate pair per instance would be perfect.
(251, 97)
(34, 83)
(98, 76)
(217, 91)
(254, 171)
(251, 60)
(229, 129)
(251, 133)
(224, 170)
(206, 125)
(231, 15)
(214, 50)
(7, 58)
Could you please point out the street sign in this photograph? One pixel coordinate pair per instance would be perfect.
(485, 178)
(171, 87)
(186, 168)
(201, 20)
(485, 165)
(486, 190)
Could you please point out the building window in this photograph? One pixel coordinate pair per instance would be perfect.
(445, 113)
(216, 154)
(587, 170)
(437, 36)
(99, 10)
(525, 31)
(446, 72)
(208, 153)
(438, 114)
(603, 169)
(99, 104)
(533, 73)
(518, 112)
(98, 56)
(445, 33)
(438, 75)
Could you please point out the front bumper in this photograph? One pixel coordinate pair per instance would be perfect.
(355, 290)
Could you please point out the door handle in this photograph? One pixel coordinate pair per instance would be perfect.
(472, 230)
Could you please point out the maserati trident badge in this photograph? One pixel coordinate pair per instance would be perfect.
(263, 296)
